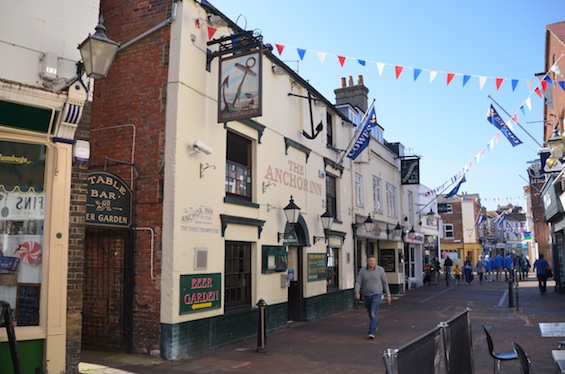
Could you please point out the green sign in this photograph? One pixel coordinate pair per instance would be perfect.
(317, 266)
(200, 292)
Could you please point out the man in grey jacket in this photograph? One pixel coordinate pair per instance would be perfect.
(371, 281)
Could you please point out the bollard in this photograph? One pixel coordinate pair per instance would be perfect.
(510, 295)
(261, 327)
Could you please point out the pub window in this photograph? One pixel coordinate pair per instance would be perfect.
(329, 129)
(331, 195)
(22, 212)
(377, 200)
(448, 230)
(239, 175)
(238, 275)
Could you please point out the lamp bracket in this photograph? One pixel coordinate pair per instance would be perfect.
(204, 167)
(245, 41)
(267, 185)
(318, 238)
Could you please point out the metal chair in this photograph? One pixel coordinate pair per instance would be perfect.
(524, 360)
(500, 356)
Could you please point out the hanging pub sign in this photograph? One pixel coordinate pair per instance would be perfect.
(239, 89)
(410, 170)
(108, 202)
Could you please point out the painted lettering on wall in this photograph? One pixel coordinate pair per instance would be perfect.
(196, 220)
(294, 177)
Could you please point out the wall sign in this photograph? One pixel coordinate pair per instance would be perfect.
(200, 292)
(410, 171)
(317, 266)
(386, 260)
(108, 202)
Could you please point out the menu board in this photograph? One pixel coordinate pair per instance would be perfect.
(386, 260)
(317, 266)
(27, 305)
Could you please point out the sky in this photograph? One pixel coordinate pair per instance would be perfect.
(444, 124)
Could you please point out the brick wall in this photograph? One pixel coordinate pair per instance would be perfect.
(128, 127)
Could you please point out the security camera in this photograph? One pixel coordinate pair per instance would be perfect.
(199, 146)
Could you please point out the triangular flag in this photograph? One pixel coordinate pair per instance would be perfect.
(211, 32)
(482, 81)
(509, 125)
(562, 84)
(483, 153)
(341, 60)
(280, 48)
(514, 84)
(497, 137)
(498, 83)
(362, 62)
(530, 83)
(556, 69)
(301, 53)
(529, 103)
(417, 73)
(432, 75)
(538, 91)
(543, 85)
(380, 66)
(449, 78)
(322, 57)
(548, 80)
(398, 70)
(515, 118)
(466, 79)
(522, 109)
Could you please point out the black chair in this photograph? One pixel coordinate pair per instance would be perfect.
(524, 360)
(500, 356)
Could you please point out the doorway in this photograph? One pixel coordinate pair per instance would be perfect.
(295, 290)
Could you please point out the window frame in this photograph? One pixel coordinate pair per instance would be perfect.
(377, 195)
(331, 199)
(232, 183)
(358, 190)
(446, 231)
(244, 268)
(391, 201)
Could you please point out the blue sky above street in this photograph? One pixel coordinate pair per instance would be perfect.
(444, 124)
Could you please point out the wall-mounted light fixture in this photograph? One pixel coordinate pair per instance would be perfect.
(368, 223)
(396, 231)
(327, 220)
(292, 212)
(412, 233)
(556, 144)
(98, 52)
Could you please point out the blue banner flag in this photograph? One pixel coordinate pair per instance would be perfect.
(365, 136)
(455, 189)
(494, 118)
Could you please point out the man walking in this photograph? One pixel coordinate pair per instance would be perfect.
(541, 265)
(371, 281)
(447, 264)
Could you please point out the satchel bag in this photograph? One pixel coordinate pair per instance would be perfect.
(548, 273)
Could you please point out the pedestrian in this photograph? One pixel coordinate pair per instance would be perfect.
(481, 267)
(457, 273)
(542, 266)
(508, 268)
(498, 265)
(524, 267)
(447, 264)
(371, 281)
(435, 270)
(468, 271)
(490, 266)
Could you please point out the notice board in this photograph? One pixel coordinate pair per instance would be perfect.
(317, 266)
(27, 304)
(386, 259)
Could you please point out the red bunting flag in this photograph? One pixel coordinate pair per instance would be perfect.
(449, 77)
(211, 32)
(538, 91)
(543, 85)
(398, 70)
(498, 82)
(515, 118)
(341, 60)
(280, 48)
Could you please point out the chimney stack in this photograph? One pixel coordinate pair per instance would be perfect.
(354, 95)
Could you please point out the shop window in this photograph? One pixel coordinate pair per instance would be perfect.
(239, 176)
(238, 275)
(333, 269)
(274, 259)
(22, 212)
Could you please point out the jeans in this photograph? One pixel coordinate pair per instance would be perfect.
(542, 282)
(372, 303)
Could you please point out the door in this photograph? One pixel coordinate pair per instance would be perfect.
(295, 290)
(106, 313)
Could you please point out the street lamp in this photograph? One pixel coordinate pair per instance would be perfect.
(368, 223)
(396, 231)
(292, 212)
(98, 52)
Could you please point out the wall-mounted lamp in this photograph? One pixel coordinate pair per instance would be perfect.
(556, 144)
(412, 233)
(396, 231)
(199, 146)
(327, 220)
(98, 52)
(292, 212)
(368, 223)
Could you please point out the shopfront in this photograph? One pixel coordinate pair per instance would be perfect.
(553, 198)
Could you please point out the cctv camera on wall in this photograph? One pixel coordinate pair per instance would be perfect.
(199, 146)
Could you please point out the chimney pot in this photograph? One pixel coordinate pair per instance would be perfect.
(343, 82)
(350, 81)
(360, 80)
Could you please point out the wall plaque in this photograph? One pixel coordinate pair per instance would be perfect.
(109, 200)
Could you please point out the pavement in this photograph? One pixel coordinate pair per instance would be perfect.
(339, 343)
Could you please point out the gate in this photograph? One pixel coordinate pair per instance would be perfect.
(106, 306)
